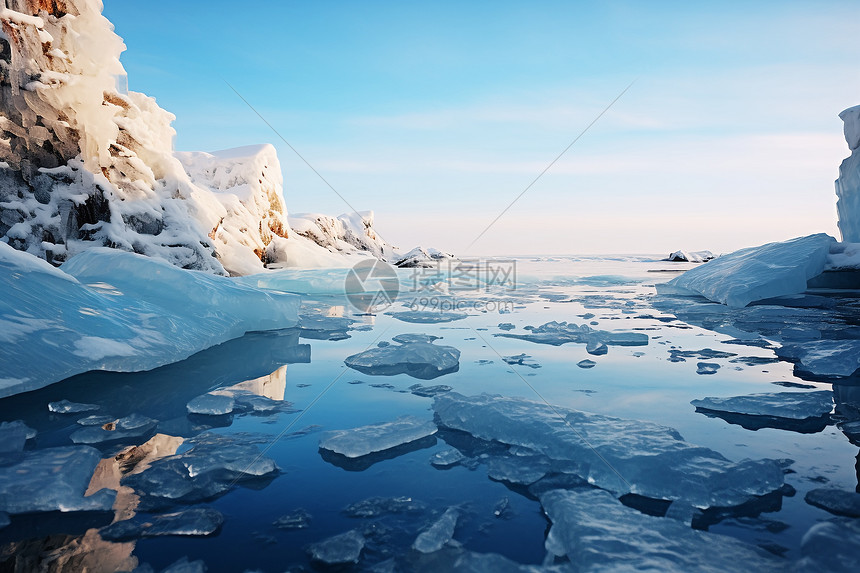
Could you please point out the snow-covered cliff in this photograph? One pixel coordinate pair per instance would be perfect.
(848, 184)
(84, 163)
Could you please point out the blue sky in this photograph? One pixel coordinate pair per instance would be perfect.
(437, 115)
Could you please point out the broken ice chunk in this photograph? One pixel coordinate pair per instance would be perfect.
(410, 337)
(521, 470)
(96, 420)
(836, 501)
(438, 534)
(211, 404)
(597, 533)
(66, 407)
(832, 546)
(366, 440)
(824, 357)
(419, 359)
(376, 506)
(133, 426)
(586, 363)
(707, 368)
(623, 456)
(427, 316)
(299, 519)
(805, 412)
(340, 549)
(194, 522)
(13, 436)
(558, 333)
(53, 479)
(429, 391)
(447, 458)
(520, 359)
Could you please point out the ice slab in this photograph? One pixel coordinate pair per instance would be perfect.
(597, 533)
(52, 479)
(586, 363)
(376, 506)
(520, 360)
(319, 327)
(213, 465)
(130, 427)
(836, 501)
(299, 519)
(755, 273)
(520, 470)
(427, 316)
(366, 440)
(14, 435)
(805, 412)
(439, 533)
(194, 522)
(107, 309)
(824, 357)
(429, 391)
(211, 404)
(706, 368)
(67, 407)
(558, 333)
(340, 549)
(447, 458)
(832, 546)
(416, 358)
(622, 456)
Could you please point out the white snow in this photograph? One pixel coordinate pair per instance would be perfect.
(755, 273)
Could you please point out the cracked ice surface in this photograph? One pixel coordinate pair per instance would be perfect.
(654, 460)
(597, 533)
(106, 309)
(366, 440)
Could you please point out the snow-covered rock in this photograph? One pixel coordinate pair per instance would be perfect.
(755, 273)
(106, 309)
(690, 256)
(419, 257)
(622, 456)
(366, 440)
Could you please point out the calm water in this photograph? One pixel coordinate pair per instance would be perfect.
(629, 382)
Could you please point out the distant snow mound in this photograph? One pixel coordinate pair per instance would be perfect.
(347, 233)
(691, 256)
(419, 257)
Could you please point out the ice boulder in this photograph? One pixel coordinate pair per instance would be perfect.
(619, 455)
(755, 273)
(848, 184)
(107, 309)
(597, 533)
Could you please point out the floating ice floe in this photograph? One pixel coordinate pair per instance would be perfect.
(340, 549)
(805, 412)
(194, 522)
(429, 391)
(366, 440)
(319, 327)
(107, 309)
(52, 479)
(439, 533)
(211, 404)
(586, 363)
(130, 427)
(597, 533)
(210, 468)
(14, 435)
(299, 519)
(427, 316)
(755, 273)
(824, 357)
(67, 407)
(415, 355)
(376, 506)
(520, 360)
(558, 333)
(832, 546)
(836, 501)
(622, 456)
(447, 458)
(707, 368)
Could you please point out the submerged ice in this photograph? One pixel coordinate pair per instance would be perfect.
(622, 456)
